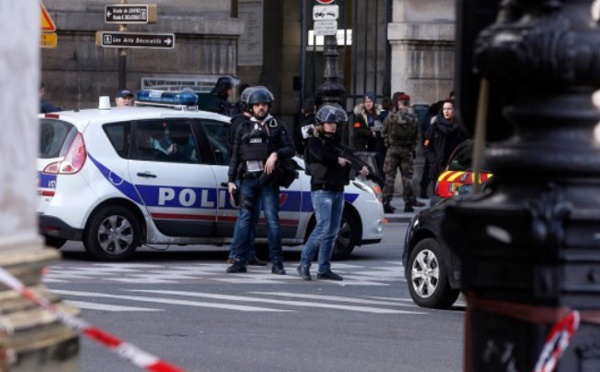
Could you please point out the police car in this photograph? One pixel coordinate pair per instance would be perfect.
(118, 178)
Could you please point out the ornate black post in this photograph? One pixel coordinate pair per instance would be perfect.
(331, 90)
(530, 246)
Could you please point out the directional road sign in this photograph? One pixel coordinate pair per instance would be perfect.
(324, 28)
(115, 39)
(130, 13)
(326, 12)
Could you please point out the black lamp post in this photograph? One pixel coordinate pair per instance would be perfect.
(530, 245)
(331, 90)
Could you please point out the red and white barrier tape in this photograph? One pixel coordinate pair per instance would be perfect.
(124, 349)
(557, 341)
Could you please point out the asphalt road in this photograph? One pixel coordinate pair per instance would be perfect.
(181, 306)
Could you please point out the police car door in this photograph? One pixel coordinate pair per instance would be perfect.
(216, 147)
(293, 215)
(176, 188)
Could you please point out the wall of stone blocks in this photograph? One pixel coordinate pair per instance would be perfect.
(77, 72)
(422, 40)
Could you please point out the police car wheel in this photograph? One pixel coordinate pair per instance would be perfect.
(113, 234)
(54, 242)
(347, 237)
(427, 276)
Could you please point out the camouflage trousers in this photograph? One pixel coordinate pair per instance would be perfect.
(397, 157)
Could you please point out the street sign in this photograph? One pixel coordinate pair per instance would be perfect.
(326, 12)
(130, 13)
(46, 21)
(48, 40)
(115, 39)
(324, 28)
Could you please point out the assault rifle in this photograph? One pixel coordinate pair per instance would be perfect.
(356, 163)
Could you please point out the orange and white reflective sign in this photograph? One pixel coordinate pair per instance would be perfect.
(47, 22)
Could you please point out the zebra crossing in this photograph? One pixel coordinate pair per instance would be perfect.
(138, 287)
(281, 302)
(137, 273)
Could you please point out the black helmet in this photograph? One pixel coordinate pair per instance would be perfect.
(331, 113)
(222, 85)
(260, 95)
(246, 94)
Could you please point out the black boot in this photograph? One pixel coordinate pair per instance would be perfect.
(416, 203)
(388, 209)
(408, 207)
(424, 194)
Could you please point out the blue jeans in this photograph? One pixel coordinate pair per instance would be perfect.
(328, 206)
(250, 199)
(252, 254)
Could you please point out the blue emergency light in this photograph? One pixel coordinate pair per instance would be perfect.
(184, 98)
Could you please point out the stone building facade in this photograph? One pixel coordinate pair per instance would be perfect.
(422, 39)
(414, 49)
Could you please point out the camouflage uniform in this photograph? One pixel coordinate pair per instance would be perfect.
(400, 135)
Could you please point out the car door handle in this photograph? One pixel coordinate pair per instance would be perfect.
(146, 174)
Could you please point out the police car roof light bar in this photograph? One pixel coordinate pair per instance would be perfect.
(184, 100)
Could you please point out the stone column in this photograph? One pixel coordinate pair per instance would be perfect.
(31, 339)
(421, 35)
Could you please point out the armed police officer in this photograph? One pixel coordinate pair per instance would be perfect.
(330, 173)
(400, 135)
(236, 121)
(260, 144)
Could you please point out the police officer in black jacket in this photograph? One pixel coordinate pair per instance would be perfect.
(330, 173)
(260, 144)
(219, 97)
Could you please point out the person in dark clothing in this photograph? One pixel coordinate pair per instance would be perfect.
(45, 105)
(305, 127)
(236, 121)
(387, 106)
(432, 112)
(218, 101)
(441, 139)
(240, 107)
(367, 133)
(261, 144)
(329, 174)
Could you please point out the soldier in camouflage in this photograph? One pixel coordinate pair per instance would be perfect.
(400, 135)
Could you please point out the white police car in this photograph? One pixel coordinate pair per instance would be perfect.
(118, 178)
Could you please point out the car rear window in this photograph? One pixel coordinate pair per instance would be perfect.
(55, 137)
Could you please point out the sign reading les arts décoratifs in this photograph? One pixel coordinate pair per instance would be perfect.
(115, 39)
(130, 13)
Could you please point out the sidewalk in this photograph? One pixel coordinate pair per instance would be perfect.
(400, 216)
